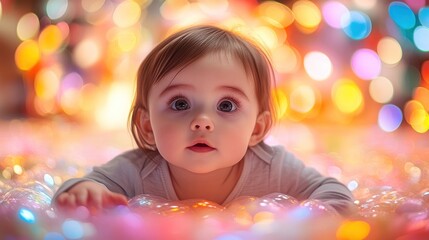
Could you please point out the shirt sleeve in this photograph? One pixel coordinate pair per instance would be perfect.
(120, 175)
(303, 182)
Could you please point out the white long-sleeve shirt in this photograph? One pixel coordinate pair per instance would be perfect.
(266, 169)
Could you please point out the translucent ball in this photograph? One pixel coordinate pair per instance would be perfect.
(247, 210)
(203, 208)
(284, 200)
(145, 201)
(4, 187)
(318, 208)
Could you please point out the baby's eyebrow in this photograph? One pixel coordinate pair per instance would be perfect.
(172, 87)
(234, 90)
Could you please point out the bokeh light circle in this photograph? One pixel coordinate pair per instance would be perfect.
(333, 12)
(55, 9)
(389, 50)
(28, 26)
(402, 15)
(27, 55)
(425, 71)
(389, 118)
(347, 96)
(366, 64)
(424, 16)
(127, 13)
(356, 25)
(302, 99)
(381, 90)
(421, 36)
(317, 65)
(307, 14)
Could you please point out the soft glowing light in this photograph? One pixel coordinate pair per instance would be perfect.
(333, 12)
(127, 13)
(347, 96)
(307, 14)
(356, 25)
(26, 215)
(389, 50)
(418, 117)
(425, 71)
(113, 113)
(174, 9)
(276, 13)
(49, 180)
(0, 10)
(17, 169)
(281, 103)
(127, 40)
(213, 7)
(317, 65)
(424, 16)
(421, 94)
(69, 100)
(266, 36)
(402, 15)
(420, 37)
(55, 9)
(50, 39)
(87, 53)
(46, 84)
(365, 4)
(381, 90)
(72, 229)
(92, 5)
(389, 118)
(302, 99)
(356, 230)
(27, 55)
(285, 59)
(28, 26)
(366, 64)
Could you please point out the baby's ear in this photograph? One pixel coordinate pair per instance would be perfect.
(145, 127)
(262, 126)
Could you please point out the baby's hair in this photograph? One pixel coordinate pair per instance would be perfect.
(186, 46)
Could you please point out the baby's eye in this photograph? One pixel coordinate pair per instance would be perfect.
(227, 106)
(179, 104)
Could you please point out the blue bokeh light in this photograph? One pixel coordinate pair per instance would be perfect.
(402, 15)
(390, 118)
(356, 25)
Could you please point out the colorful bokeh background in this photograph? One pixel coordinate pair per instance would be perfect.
(352, 84)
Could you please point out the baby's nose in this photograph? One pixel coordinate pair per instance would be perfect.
(203, 123)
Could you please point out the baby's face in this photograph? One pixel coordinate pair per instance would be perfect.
(203, 116)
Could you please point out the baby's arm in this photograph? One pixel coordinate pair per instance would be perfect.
(90, 194)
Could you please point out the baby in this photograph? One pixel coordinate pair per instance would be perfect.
(202, 109)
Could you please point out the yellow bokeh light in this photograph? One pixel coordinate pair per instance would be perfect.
(353, 230)
(347, 96)
(365, 4)
(50, 39)
(416, 115)
(27, 55)
(127, 13)
(389, 50)
(28, 26)
(317, 65)
(87, 53)
(127, 40)
(266, 36)
(276, 13)
(307, 14)
(421, 94)
(381, 90)
(281, 103)
(44, 107)
(46, 84)
(17, 169)
(302, 99)
(410, 107)
(69, 101)
(174, 9)
(285, 59)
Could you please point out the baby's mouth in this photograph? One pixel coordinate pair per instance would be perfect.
(201, 147)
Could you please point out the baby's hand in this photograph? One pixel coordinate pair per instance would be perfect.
(94, 196)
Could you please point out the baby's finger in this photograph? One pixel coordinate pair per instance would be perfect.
(95, 200)
(113, 199)
(82, 198)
